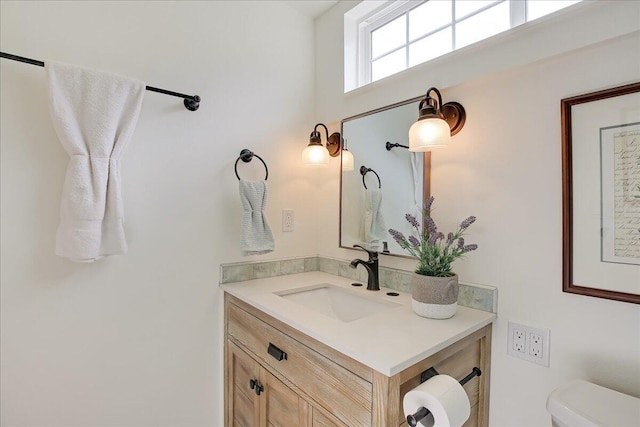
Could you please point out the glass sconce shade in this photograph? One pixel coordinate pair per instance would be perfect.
(347, 160)
(315, 155)
(429, 134)
(436, 123)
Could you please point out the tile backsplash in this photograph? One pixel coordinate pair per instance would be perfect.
(480, 297)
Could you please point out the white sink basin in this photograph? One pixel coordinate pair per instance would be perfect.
(336, 302)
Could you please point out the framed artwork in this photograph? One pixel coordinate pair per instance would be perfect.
(601, 193)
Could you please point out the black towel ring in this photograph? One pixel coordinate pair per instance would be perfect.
(364, 170)
(246, 156)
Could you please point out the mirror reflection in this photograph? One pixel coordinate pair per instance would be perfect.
(386, 182)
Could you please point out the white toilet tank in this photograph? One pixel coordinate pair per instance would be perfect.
(583, 404)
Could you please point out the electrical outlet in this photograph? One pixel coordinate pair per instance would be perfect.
(535, 345)
(287, 220)
(528, 343)
(519, 340)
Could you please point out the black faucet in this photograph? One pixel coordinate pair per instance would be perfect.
(373, 283)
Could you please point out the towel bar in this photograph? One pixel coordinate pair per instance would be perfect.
(191, 102)
(390, 145)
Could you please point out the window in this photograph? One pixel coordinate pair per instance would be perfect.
(401, 34)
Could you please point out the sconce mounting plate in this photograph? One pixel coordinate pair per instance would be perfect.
(454, 115)
(334, 145)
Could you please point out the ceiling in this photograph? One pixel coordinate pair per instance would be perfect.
(311, 8)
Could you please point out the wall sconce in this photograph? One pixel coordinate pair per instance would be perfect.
(436, 123)
(315, 154)
(347, 157)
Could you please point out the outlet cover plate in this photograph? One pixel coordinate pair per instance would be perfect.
(287, 219)
(528, 343)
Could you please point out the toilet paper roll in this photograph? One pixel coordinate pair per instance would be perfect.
(444, 397)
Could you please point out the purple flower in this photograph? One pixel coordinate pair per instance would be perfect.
(449, 239)
(467, 222)
(469, 248)
(431, 225)
(434, 250)
(428, 203)
(397, 236)
(412, 220)
(433, 239)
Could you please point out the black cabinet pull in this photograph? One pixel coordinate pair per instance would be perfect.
(256, 386)
(277, 353)
(259, 389)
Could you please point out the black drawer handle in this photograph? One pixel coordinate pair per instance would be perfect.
(277, 353)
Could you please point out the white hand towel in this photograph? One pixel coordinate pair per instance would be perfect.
(256, 237)
(417, 160)
(94, 115)
(374, 230)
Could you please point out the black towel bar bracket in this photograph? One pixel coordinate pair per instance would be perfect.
(422, 412)
(390, 145)
(246, 156)
(364, 171)
(191, 102)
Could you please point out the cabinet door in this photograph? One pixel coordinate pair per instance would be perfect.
(243, 404)
(276, 405)
(281, 406)
(320, 420)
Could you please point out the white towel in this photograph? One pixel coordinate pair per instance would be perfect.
(256, 237)
(417, 174)
(94, 115)
(374, 230)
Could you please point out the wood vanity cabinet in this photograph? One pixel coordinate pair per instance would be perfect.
(259, 398)
(314, 385)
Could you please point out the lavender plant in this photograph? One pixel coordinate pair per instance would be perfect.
(435, 253)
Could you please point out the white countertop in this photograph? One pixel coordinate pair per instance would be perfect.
(388, 341)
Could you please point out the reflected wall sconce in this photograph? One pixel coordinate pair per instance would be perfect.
(347, 157)
(436, 123)
(316, 154)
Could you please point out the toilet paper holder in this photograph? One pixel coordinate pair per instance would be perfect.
(422, 412)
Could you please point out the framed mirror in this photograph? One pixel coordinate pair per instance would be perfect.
(601, 193)
(386, 182)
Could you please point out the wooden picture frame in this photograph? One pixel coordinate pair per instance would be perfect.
(592, 124)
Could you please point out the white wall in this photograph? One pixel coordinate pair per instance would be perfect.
(135, 340)
(504, 167)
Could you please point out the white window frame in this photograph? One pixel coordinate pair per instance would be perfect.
(380, 13)
(368, 25)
